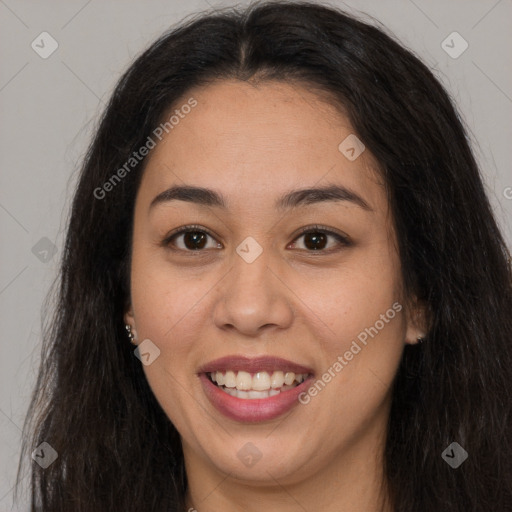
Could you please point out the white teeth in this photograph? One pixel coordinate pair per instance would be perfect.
(230, 391)
(289, 377)
(260, 382)
(257, 394)
(251, 395)
(277, 380)
(230, 380)
(243, 381)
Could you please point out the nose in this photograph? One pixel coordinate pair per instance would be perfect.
(253, 297)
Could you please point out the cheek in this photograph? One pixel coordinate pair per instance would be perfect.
(354, 297)
(362, 329)
(360, 353)
(163, 296)
(169, 311)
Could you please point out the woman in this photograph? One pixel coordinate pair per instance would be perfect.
(281, 210)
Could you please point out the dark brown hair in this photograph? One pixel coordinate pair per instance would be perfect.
(117, 448)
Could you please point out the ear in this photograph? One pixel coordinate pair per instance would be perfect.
(129, 319)
(416, 322)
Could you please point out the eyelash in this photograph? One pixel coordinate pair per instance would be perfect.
(343, 240)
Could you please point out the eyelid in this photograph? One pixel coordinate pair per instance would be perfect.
(323, 229)
(189, 227)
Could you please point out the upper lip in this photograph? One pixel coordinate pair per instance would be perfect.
(253, 365)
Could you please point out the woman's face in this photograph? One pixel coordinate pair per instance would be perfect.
(246, 285)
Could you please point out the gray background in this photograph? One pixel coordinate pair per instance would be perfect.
(49, 108)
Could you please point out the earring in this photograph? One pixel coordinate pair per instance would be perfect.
(130, 334)
(420, 339)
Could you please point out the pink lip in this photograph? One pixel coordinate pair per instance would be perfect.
(254, 410)
(253, 365)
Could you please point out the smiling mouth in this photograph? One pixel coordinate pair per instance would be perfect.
(258, 385)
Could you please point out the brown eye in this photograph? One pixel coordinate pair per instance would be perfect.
(317, 238)
(315, 241)
(192, 239)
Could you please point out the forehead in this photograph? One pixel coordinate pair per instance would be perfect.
(258, 141)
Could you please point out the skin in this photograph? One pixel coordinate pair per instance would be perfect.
(253, 143)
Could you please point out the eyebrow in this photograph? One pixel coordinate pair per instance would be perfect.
(295, 198)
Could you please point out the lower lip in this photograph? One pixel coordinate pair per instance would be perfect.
(252, 410)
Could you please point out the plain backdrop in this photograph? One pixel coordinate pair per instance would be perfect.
(49, 108)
